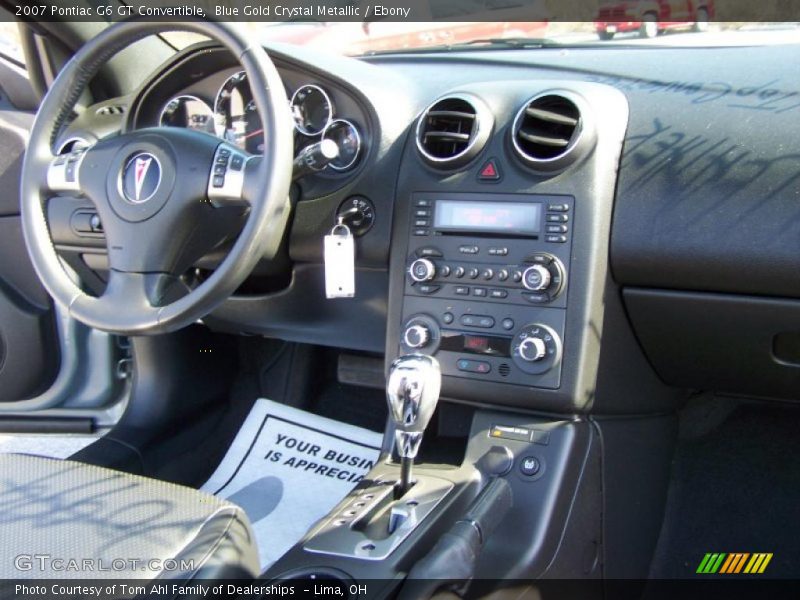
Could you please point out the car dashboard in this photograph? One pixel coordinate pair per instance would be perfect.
(548, 223)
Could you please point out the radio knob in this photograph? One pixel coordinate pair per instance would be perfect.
(421, 270)
(532, 349)
(536, 278)
(416, 336)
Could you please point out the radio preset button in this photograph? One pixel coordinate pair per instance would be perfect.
(502, 274)
(421, 270)
(472, 273)
(517, 276)
(487, 274)
(459, 272)
(536, 278)
(461, 290)
(479, 292)
(444, 271)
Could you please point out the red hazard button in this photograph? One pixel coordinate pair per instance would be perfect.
(489, 171)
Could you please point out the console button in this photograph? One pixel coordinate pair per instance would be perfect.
(472, 273)
(419, 232)
(499, 294)
(529, 466)
(422, 269)
(517, 276)
(494, 251)
(473, 366)
(508, 324)
(536, 278)
(536, 297)
(487, 274)
(422, 213)
(556, 229)
(430, 252)
(558, 207)
(428, 289)
(422, 203)
(482, 321)
(459, 272)
(469, 249)
(480, 292)
(557, 218)
(461, 290)
(555, 239)
(502, 274)
(421, 223)
(444, 270)
(447, 318)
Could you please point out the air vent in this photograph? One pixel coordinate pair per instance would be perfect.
(110, 109)
(504, 369)
(453, 130)
(546, 130)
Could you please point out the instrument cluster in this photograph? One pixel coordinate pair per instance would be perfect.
(234, 118)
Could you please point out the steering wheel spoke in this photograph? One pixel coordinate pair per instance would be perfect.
(226, 182)
(63, 172)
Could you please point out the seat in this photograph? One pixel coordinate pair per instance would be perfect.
(95, 523)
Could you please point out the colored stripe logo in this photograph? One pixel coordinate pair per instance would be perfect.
(734, 563)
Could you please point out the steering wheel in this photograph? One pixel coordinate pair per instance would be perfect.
(162, 194)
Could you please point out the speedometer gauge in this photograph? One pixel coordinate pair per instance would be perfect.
(189, 112)
(312, 110)
(237, 119)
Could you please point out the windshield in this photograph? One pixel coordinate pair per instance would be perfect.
(613, 27)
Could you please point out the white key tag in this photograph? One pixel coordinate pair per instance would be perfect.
(340, 262)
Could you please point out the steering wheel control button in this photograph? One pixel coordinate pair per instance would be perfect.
(422, 269)
(529, 466)
(473, 366)
(237, 162)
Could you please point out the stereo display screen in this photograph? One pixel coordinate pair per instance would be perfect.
(521, 218)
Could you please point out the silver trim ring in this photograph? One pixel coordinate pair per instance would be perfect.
(190, 97)
(358, 139)
(330, 118)
(475, 136)
(573, 143)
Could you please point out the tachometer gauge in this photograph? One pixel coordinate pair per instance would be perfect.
(237, 119)
(345, 135)
(189, 112)
(312, 110)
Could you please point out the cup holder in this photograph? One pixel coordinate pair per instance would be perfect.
(323, 582)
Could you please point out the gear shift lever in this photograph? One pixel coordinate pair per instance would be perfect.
(412, 392)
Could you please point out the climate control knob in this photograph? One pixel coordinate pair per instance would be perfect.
(416, 336)
(532, 349)
(421, 270)
(536, 278)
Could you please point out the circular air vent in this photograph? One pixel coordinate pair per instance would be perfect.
(453, 130)
(547, 130)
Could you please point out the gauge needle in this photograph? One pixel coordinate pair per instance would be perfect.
(252, 134)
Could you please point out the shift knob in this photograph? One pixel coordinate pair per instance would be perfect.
(412, 392)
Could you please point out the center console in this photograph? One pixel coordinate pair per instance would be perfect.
(486, 284)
